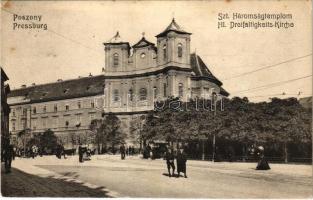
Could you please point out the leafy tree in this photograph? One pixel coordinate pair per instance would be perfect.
(113, 133)
(279, 121)
(97, 126)
(108, 131)
(48, 141)
(136, 130)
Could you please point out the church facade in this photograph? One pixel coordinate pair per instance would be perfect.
(133, 79)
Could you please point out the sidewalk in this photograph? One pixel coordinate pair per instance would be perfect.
(46, 184)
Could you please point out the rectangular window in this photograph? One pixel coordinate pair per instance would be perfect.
(79, 105)
(13, 112)
(155, 92)
(44, 123)
(34, 110)
(24, 111)
(67, 107)
(34, 124)
(78, 120)
(44, 108)
(164, 90)
(23, 122)
(55, 108)
(92, 104)
(55, 122)
(67, 123)
(13, 126)
(92, 117)
(115, 60)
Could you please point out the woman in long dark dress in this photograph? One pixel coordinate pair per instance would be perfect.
(181, 160)
(262, 164)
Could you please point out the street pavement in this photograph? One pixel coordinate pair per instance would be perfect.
(108, 175)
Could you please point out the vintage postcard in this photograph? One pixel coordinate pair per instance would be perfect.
(156, 99)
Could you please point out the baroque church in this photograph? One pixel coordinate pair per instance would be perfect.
(133, 79)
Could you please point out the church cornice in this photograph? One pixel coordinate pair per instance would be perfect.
(157, 72)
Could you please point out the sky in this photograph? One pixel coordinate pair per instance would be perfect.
(73, 44)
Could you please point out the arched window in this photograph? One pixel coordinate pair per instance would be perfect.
(164, 52)
(155, 92)
(116, 96)
(180, 90)
(131, 94)
(143, 94)
(180, 50)
(115, 60)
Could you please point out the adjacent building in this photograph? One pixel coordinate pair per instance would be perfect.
(133, 79)
(5, 111)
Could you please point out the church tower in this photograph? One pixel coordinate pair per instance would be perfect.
(173, 46)
(116, 54)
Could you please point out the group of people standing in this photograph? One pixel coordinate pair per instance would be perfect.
(181, 160)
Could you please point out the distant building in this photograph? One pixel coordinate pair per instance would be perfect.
(5, 111)
(306, 102)
(133, 79)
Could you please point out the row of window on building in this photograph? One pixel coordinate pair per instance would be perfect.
(143, 55)
(55, 108)
(143, 93)
(53, 122)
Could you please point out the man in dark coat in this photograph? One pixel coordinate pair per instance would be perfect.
(8, 155)
(80, 153)
(181, 160)
(123, 151)
(169, 157)
(262, 164)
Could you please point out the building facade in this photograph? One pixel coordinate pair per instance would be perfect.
(133, 79)
(5, 111)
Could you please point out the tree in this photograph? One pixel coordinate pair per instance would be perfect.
(279, 121)
(97, 126)
(23, 137)
(136, 130)
(108, 131)
(48, 141)
(112, 130)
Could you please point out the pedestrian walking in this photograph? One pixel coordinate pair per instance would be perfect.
(33, 151)
(63, 151)
(169, 157)
(181, 160)
(80, 153)
(122, 151)
(8, 155)
(262, 164)
(14, 153)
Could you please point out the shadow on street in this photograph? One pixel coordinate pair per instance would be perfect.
(20, 184)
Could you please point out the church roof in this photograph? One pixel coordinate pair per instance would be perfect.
(173, 27)
(306, 102)
(74, 88)
(202, 72)
(4, 76)
(116, 40)
(143, 43)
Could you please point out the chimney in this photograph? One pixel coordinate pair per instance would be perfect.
(90, 74)
(23, 86)
(60, 80)
(33, 84)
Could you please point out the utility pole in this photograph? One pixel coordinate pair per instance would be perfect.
(214, 101)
